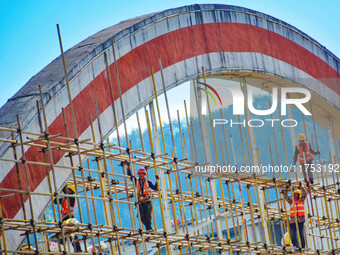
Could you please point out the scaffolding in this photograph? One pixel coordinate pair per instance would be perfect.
(201, 213)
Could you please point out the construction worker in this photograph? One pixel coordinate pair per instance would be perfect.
(67, 211)
(67, 203)
(144, 187)
(297, 208)
(304, 151)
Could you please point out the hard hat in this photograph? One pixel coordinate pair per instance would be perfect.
(301, 137)
(27, 248)
(287, 241)
(297, 191)
(141, 170)
(72, 187)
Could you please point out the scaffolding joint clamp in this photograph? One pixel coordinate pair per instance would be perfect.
(101, 146)
(165, 234)
(152, 155)
(89, 226)
(175, 160)
(128, 150)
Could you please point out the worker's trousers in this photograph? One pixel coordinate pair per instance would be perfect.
(307, 173)
(145, 210)
(294, 235)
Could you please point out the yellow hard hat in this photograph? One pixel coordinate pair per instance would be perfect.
(301, 137)
(288, 242)
(297, 191)
(27, 248)
(72, 187)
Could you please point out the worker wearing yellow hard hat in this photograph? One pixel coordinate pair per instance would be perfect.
(303, 152)
(67, 204)
(297, 211)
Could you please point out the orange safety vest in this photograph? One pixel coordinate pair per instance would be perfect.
(146, 190)
(299, 208)
(65, 208)
(302, 153)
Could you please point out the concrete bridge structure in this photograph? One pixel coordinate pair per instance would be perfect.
(229, 42)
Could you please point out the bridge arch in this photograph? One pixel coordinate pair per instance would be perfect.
(228, 41)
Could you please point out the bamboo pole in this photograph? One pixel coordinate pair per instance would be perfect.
(158, 186)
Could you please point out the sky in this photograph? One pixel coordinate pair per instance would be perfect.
(29, 41)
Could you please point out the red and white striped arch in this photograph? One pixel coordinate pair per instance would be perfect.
(216, 37)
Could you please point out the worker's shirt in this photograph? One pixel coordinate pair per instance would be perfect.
(300, 219)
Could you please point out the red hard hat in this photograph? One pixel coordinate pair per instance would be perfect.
(141, 170)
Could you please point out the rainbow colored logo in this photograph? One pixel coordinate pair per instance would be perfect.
(209, 93)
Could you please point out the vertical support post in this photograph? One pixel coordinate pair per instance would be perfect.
(256, 161)
(331, 140)
(161, 173)
(212, 182)
(292, 130)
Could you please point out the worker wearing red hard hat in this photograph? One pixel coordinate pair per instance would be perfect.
(144, 187)
(304, 151)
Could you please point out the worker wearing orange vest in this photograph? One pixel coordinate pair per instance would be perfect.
(304, 152)
(67, 210)
(67, 203)
(297, 207)
(144, 187)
